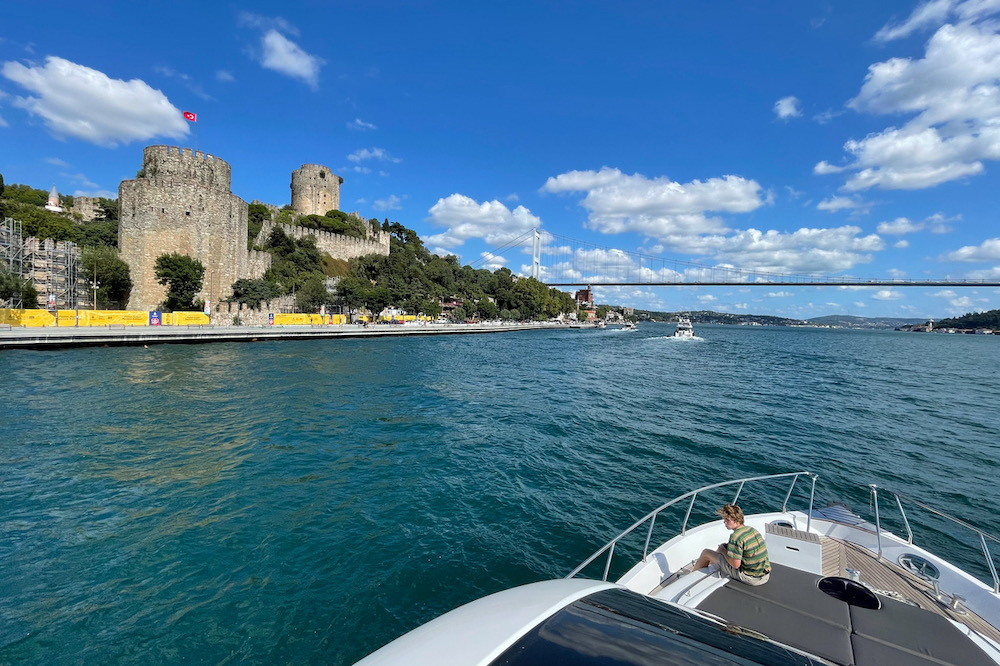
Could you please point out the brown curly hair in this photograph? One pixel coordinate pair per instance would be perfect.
(732, 512)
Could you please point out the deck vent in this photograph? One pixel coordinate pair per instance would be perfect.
(919, 567)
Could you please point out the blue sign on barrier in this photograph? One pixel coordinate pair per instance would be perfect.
(270, 319)
(154, 318)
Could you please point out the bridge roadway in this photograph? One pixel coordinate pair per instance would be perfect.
(113, 336)
(788, 283)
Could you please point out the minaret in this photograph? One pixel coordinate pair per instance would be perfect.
(53, 203)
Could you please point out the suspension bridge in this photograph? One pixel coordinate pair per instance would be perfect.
(560, 261)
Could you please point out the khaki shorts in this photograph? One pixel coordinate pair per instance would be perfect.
(727, 568)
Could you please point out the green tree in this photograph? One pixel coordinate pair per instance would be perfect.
(254, 292)
(182, 275)
(312, 295)
(112, 274)
(1, 185)
(12, 286)
(108, 210)
(257, 214)
(98, 234)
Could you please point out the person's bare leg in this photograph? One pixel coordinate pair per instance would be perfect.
(707, 557)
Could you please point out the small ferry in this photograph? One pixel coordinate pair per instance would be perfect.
(842, 590)
(684, 328)
(629, 326)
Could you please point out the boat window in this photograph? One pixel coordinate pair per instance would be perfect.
(918, 566)
(624, 628)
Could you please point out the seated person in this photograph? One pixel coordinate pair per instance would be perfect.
(744, 556)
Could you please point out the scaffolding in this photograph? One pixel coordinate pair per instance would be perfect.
(53, 267)
(12, 257)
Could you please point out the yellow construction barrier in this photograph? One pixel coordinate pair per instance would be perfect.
(184, 318)
(63, 318)
(297, 319)
(27, 317)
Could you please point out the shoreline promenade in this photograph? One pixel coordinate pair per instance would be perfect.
(115, 336)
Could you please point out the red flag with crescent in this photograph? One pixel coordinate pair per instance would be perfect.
(193, 117)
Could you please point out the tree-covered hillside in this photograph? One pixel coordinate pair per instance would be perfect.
(989, 319)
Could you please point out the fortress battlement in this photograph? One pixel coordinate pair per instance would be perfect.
(186, 164)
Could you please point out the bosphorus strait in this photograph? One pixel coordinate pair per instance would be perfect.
(308, 501)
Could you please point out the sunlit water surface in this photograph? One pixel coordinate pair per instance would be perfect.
(306, 502)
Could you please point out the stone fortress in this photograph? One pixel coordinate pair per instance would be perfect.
(181, 202)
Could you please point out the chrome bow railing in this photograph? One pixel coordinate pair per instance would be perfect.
(693, 495)
(983, 536)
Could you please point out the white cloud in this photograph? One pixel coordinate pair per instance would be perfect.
(826, 116)
(83, 103)
(360, 125)
(491, 261)
(464, 218)
(107, 194)
(939, 224)
(825, 168)
(280, 54)
(224, 76)
(55, 161)
(706, 298)
(932, 13)
(901, 244)
(834, 204)
(779, 294)
(989, 250)
(959, 304)
(658, 207)
(676, 216)
(952, 96)
(899, 227)
(927, 14)
(886, 295)
(787, 107)
(361, 169)
(391, 203)
(379, 154)
(286, 57)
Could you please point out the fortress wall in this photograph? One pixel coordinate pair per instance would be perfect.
(86, 207)
(171, 162)
(315, 189)
(337, 246)
(257, 264)
(165, 213)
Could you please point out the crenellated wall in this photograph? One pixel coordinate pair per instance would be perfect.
(337, 246)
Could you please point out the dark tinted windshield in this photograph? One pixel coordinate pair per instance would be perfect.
(618, 627)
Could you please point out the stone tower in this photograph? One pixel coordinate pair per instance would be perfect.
(181, 202)
(315, 190)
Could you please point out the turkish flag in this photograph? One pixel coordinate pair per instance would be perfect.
(193, 117)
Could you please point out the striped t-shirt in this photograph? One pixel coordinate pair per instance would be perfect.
(746, 544)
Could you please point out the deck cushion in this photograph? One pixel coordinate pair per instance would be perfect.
(789, 609)
(910, 632)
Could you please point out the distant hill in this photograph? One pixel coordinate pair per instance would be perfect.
(709, 317)
(850, 321)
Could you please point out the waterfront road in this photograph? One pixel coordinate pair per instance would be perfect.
(108, 336)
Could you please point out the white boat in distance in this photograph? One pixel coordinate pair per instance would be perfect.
(684, 328)
(842, 591)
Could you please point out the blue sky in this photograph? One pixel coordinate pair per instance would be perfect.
(834, 138)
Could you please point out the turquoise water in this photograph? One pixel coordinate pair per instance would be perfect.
(306, 502)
